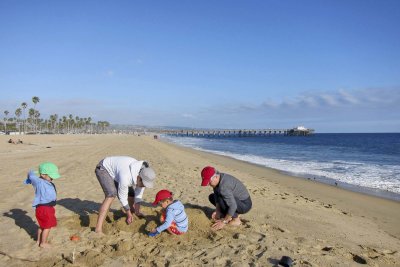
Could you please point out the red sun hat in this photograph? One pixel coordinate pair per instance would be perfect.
(206, 175)
(161, 195)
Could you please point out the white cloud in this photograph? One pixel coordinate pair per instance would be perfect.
(318, 104)
(348, 97)
(109, 73)
(189, 116)
(342, 98)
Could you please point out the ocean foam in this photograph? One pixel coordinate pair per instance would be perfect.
(382, 177)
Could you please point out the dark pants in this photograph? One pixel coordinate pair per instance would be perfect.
(243, 206)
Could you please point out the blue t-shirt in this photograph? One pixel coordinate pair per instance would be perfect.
(45, 191)
(175, 212)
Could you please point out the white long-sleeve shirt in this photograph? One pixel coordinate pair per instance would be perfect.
(125, 171)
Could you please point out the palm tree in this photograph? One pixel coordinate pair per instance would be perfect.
(6, 112)
(64, 122)
(37, 122)
(81, 123)
(53, 120)
(18, 113)
(103, 125)
(71, 118)
(88, 121)
(35, 100)
(59, 124)
(24, 105)
(31, 113)
(76, 123)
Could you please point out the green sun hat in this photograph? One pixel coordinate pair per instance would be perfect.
(50, 169)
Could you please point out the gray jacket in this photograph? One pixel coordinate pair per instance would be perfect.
(230, 188)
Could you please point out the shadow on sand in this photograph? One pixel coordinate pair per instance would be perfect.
(23, 221)
(81, 207)
(207, 210)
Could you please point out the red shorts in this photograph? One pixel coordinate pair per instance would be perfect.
(172, 229)
(46, 216)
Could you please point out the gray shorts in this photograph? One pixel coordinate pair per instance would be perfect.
(108, 184)
(106, 181)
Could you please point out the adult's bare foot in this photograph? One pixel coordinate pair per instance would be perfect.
(235, 222)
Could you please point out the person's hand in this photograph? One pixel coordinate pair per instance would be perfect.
(218, 225)
(129, 218)
(153, 234)
(27, 180)
(215, 215)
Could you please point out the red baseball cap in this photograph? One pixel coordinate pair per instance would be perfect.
(161, 195)
(206, 175)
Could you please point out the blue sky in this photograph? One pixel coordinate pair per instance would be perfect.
(330, 65)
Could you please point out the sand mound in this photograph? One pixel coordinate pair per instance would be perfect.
(131, 241)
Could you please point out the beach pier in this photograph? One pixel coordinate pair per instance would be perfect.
(297, 131)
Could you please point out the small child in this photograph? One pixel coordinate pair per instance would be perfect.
(174, 218)
(45, 199)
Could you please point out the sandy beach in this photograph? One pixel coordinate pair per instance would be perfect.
(315, 224)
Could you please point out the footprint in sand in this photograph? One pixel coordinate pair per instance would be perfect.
(358, 259)
(277, 228)
(256, 237)
(375, 253)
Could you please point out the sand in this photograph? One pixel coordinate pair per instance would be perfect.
(314, 224)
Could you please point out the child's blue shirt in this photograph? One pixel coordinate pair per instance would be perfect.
(45, 191)
(175, 212)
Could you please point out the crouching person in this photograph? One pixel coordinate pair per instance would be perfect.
(230, 197)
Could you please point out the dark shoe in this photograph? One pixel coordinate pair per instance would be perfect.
(286, 261)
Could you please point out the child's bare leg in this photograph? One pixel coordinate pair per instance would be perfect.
(105, 206)
(39, 236)
(45, 235)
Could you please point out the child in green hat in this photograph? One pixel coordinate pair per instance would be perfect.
(45, 199)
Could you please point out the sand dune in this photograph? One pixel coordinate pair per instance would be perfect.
(314, 224)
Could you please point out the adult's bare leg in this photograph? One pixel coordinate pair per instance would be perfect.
(105, 206)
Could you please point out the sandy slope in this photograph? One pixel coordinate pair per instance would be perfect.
(315, 224)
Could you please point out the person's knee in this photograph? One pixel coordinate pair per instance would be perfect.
(211, 198)
(110, 195)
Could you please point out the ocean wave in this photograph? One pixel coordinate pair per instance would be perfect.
(362, 174)
(377, 177)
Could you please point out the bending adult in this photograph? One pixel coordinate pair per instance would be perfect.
(126, 178)
(230, 197)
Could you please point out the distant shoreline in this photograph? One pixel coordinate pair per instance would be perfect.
(380, 193)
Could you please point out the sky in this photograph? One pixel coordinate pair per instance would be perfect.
(333, 66)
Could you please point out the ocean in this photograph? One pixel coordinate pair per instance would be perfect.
(362, 162)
